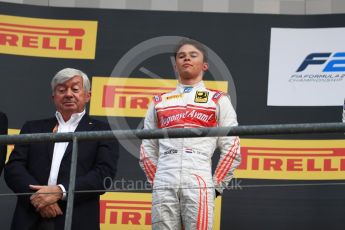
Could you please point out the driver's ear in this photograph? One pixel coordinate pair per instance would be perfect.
(205, 66)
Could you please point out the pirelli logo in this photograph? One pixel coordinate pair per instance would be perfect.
(125, 213)
(130, 97)
(48, 37)
(132, 211)
(292, 159)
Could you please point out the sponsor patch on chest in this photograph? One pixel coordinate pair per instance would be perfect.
(177, 96)
(170, 151)
(183, 117)
(187, 89)
(201, 97)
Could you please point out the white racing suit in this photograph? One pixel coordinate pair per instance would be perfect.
(180, 168)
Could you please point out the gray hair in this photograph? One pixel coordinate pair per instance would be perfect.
(68, 73)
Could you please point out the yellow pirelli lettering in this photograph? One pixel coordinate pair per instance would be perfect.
(55, 38)
(132, 211)
(292, 159)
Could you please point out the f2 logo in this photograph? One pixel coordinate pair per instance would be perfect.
(333, 65)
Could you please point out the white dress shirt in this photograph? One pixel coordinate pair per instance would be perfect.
(60, 147)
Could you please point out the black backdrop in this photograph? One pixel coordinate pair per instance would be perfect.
(242, 41)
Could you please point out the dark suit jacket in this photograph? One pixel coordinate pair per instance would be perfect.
(3, 148)
(30, 164)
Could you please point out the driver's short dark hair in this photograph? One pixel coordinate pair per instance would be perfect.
(199, 46)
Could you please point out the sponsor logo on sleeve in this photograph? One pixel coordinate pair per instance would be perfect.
(217, 96)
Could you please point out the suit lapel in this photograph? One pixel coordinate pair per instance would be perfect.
(85, 124)
(51, 124)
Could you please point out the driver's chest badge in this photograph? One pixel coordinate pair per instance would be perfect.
(201, 97)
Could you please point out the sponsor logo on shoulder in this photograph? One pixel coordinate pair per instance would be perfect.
(157, 98)
(217, 95)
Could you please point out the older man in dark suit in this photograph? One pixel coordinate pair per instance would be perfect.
(44, 168)
(3, 148)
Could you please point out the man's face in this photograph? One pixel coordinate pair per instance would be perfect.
(70, 97)
(190, 62)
